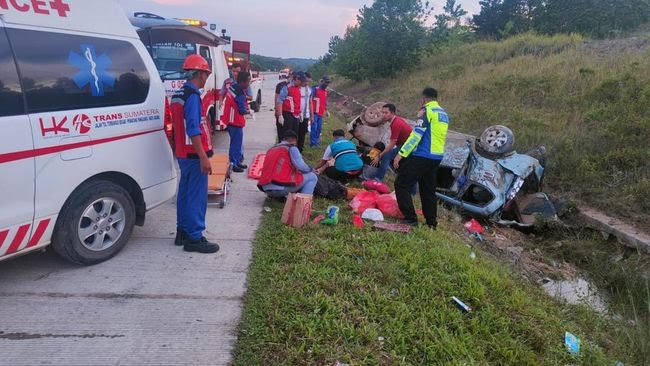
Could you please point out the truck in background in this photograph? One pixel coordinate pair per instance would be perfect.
(241, 54)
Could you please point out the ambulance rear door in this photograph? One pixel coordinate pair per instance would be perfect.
(16, 158)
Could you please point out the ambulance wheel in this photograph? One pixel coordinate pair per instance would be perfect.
(95, 223)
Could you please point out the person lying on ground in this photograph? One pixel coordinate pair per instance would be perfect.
(347, 163)
(285, 171)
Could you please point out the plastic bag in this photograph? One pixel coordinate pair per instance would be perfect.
(332, 216)
(474, 227)
(364, 201)
(387, 204)
(353, 192)
(372, 214)
(373, 185)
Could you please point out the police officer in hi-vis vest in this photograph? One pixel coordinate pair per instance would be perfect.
(419, 158)
(193, 142)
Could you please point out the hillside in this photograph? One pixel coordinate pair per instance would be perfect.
(587, 101)
(275, 63)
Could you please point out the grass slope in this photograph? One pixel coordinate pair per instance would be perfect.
(326, 294)
(587, 101)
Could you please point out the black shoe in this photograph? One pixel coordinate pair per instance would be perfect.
(409, 223)
(237, 169)
(200, 246)
(180, 237)
(242, 165)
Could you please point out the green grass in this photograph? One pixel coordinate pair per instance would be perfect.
(324, 294)
(587, 101)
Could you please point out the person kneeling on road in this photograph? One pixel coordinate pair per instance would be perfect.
(347, 163)
(193, 148)
(422, 154)
(285, 171)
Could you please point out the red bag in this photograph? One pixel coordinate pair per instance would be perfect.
(387, 204)
(373, 185)
(363, 201)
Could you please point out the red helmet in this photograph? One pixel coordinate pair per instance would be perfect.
(196, 62)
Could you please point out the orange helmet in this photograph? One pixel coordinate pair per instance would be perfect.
(196, 62)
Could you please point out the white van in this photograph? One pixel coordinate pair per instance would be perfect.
(83, 153)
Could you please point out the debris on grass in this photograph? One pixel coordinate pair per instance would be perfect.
(464, 307)
(397, 228)
(357, 221)
(474, 227)
(332, 216)
(372, 214)
(572, 343)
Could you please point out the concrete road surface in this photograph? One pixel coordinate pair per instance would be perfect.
(152, 304)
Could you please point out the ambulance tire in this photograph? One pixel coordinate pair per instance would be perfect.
(65, 239)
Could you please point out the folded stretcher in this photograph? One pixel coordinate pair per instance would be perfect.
(219, 180)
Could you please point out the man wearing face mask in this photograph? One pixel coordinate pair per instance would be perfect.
(192, 138)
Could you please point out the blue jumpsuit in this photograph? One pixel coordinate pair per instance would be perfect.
(192, 197)
(236, 151)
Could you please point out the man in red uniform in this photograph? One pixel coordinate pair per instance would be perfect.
(235, 111)
(400, 131)
(288, 105)
(319, 105)
(192, 138)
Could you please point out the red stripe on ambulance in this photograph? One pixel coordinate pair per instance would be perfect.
(18, 239)
(3, 237)
(40, 230)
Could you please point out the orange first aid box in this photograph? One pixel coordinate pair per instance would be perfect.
(297, 210)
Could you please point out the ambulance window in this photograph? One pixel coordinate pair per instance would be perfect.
(205, 52)
(64, 71)
(11, 97)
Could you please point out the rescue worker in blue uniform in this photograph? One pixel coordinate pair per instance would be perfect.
(418, 161)
(347, 163)
(192, 139)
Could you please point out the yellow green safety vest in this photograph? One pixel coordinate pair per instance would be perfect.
(428, 141)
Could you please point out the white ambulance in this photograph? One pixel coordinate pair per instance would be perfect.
(83, 153)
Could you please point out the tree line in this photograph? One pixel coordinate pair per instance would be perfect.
(392, 35)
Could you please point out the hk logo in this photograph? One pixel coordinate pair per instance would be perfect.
(82, 123)
(93, 70)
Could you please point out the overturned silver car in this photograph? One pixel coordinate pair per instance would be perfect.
(484, 176)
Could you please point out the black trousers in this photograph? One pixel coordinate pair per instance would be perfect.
(423, 171)
(336, 174)
(279, 128)
(302, 132)
(290, 122)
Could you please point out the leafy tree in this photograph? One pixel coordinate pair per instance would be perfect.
(596, 18)
(448, 27)
(502, 18)
(387, 40)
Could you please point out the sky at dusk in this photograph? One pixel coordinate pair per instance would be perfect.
(281, 28)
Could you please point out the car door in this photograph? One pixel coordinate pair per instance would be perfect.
(16, 158)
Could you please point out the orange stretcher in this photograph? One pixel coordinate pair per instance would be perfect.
(219, 180)
(255, 170)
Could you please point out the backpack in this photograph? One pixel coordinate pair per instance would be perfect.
(329, 188)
